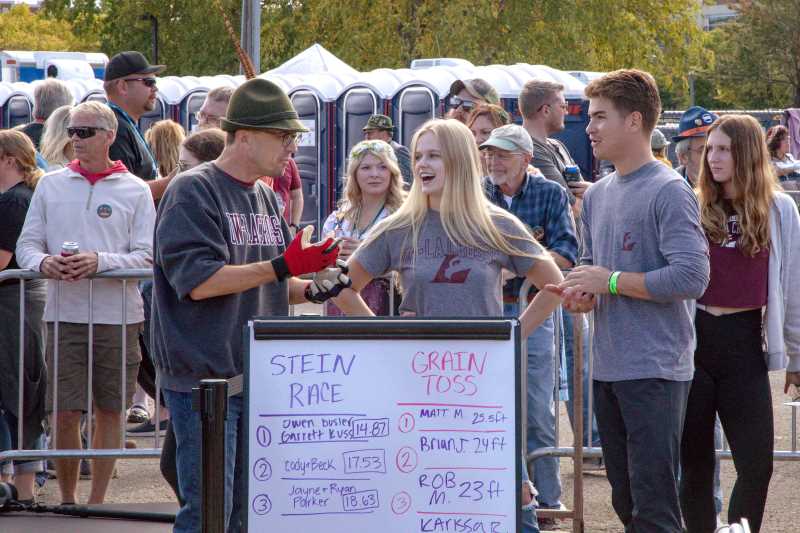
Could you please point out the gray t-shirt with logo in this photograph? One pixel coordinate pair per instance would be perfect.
(646, 221)
(446, 279)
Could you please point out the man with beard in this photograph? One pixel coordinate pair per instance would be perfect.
(130, 85)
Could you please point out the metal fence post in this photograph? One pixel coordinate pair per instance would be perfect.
(211, 400)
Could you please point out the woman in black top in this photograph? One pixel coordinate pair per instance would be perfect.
(18, 177)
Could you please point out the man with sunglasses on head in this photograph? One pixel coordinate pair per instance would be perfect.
(98, 204)
(223, 255)
(466, 95)
(130, 85)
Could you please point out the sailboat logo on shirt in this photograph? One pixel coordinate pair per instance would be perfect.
(450, 272)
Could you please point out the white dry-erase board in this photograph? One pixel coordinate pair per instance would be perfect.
(383, 425)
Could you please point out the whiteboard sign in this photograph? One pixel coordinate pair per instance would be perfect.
(382, 426)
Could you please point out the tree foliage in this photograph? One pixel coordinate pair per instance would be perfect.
(20, 29)
(752, 62)
(758, 55)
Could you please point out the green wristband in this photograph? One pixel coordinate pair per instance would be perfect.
(612, 283)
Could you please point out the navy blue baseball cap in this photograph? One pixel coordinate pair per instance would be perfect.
(695, 122)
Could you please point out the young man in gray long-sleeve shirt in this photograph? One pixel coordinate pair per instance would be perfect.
(644, 256)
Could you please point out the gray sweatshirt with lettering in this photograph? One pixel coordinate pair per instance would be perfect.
(646, 221)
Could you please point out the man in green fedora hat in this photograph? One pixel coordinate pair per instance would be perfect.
(380, 127)
(223, 255)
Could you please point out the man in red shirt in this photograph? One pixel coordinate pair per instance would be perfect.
(289, 189)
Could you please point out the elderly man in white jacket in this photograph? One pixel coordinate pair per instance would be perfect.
(109, 213)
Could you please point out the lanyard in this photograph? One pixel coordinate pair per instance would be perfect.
(138, 134)
(374, 220)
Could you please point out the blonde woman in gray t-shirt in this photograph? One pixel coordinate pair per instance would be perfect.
(449, 244)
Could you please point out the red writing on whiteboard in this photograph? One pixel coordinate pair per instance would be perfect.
(449, 372)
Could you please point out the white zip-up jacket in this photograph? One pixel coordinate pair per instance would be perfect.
(782, 317)
(114, 217)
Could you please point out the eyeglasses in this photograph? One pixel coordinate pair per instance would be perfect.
(287, 138)
(84, 132)
(466, 105)
(502, 156)
(201, 116)
(375, 146)
(148, 82)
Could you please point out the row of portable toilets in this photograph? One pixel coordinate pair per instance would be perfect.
(335, 106)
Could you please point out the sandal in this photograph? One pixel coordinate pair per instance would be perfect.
(138, 414)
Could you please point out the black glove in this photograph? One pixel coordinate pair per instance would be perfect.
(328, 283)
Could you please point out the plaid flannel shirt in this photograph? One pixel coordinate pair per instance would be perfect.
(543, 206)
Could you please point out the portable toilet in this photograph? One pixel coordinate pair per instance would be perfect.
(314, 99)
(371, 93)
(414, 103)
(185, 95)
(585, 76)
(574, 135)
(86, 90)
(16, 104)
(29, 66)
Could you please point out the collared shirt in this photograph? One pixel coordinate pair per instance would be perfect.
(543, 206)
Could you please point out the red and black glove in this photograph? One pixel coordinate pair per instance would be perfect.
(302, 257)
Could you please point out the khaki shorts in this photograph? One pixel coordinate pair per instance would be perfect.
(106, 368)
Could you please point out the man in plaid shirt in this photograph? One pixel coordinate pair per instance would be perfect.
(543, 206)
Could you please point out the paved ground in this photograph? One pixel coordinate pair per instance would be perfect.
(140, 481)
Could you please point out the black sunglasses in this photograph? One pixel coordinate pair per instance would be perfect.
(83, 132)
(467, 105)
(148, 82)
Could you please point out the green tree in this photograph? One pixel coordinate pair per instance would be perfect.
(20, 29)
(657, 35)
(192, 38)
(758, 55)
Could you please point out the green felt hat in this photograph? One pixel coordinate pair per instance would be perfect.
(260, 104)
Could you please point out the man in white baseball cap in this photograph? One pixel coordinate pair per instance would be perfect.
(543, 206)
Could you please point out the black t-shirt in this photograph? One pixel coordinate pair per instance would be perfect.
(13, 207)
(34, 131)
(129, 148)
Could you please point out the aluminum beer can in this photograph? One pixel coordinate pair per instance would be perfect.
(69, 248)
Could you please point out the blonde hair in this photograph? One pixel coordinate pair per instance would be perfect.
(754, 184)
(165, 138)
(55, 139)
(19, 146)
(350, 204)
(468, 217)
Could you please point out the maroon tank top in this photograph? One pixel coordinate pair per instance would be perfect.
(737, 280)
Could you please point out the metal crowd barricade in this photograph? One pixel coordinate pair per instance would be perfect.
(584, 449)
(125, 276)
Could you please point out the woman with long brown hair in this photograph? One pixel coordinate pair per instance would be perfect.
(18, 176)
(753, 231)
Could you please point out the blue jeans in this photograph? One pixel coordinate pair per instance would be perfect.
(187, 428)
(569, 346)
(541, 409)
(529, 523)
